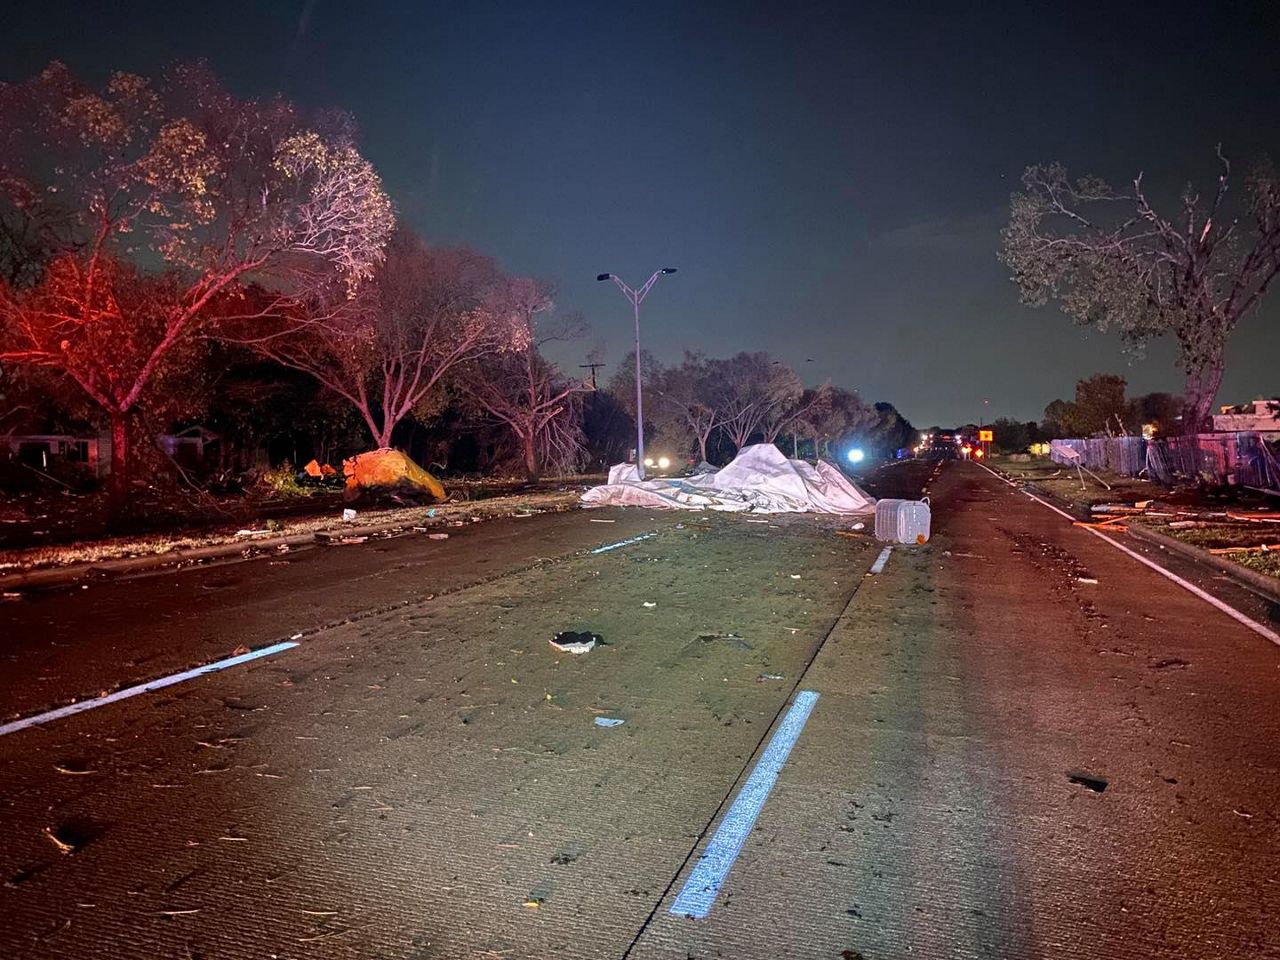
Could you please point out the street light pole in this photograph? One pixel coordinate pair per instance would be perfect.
(635, 296)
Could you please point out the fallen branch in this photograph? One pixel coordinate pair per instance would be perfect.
(1261, 548)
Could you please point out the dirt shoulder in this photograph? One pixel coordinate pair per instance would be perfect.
(1234, 532)
(1064, 484)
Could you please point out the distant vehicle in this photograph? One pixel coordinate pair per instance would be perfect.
(663, 465)
(939, 446)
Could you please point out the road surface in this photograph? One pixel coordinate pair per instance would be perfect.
(1002, 758)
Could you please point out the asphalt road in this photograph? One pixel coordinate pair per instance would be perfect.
(1003, 759)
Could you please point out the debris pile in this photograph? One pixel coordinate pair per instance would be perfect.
(760, 479)
(1247, 536)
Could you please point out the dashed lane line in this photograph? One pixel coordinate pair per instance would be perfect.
(148, 687)
(878, 566)
(703, 885)
(624, 543)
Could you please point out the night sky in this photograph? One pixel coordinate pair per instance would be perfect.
(829, 180)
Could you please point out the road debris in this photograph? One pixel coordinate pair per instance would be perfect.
(730, 638)
(648, 604)
(348, 515)
(1095, 783)
(1086, 579)
(437, 536)
(74, 768)
(575, 642)
(769, 676)
(1260, 548)
(609, 722)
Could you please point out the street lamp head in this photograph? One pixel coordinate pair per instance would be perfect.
(605, 276)
(668, 269)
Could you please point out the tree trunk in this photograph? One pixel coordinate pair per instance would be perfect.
(530, 457)
(1199, 391)
(702, 448)
(383, 436)
(118, 481)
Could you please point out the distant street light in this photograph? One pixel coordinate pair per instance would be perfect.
(635, 296)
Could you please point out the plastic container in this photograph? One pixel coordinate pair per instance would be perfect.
(903, 521)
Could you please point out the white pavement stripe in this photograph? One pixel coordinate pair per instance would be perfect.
(147, 687)
(622, 543)
(878, 566)
(1208, 598)
(700, 890)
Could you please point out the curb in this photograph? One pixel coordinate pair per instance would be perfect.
(1266, 587)
(55, 576)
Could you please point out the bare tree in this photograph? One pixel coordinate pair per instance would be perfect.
(526, 393)
(387, 350)
(687, 391)
(214, 189)
(783, 418)
(1111, 260)
(842, 412)
(750, 391)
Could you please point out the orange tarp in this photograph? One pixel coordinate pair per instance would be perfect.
(388, 470)
(316, 469)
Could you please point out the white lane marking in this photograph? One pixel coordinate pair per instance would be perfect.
(1186, 585)
(622, 543)
(702, 887)
(147, 687)
(878, 566)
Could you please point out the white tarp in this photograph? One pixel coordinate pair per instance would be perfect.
(760, 479)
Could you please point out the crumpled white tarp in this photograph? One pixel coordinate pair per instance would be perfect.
(760, 479)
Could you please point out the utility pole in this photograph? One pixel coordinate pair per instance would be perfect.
(593, 367)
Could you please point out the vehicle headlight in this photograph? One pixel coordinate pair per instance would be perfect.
(664, 462)
(648, 461)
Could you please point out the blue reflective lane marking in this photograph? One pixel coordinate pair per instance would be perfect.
(878, 566)
(147, 687)
(702, 887)
(622, 543)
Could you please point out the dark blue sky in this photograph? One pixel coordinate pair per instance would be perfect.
(830, 179)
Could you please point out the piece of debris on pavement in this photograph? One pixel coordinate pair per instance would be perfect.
(1091, 781)
(731, 638)
(571, 641)
(609, 722)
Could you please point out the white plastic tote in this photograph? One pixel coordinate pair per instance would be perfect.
(903, 521)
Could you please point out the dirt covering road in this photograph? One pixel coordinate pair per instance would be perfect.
(1004, 758)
